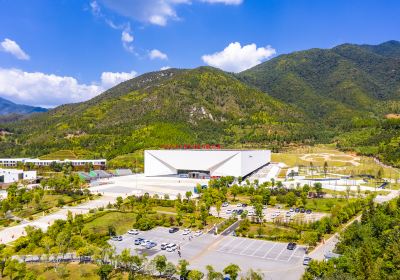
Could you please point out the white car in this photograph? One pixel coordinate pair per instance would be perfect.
(239, 205)
(186, 231)
(171, 247)
(228, 211)
(225, 204)
(251, 213)
(198, 233)
(145, 242)
(133, 232)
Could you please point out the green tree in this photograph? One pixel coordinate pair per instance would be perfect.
(212, 274)
(183, 268)
(195, 275)
(290, 199)
(160, 263)
(232, 270)
(104, 271)
(218, 205)
(234, 190)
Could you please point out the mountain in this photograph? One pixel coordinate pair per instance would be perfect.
(7, 108)
(334, 85)
(353, 90)
(348, 95)
(170, 107)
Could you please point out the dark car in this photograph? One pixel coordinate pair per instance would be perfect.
(239, 212)
(291, 246)
(116, 238)
(138, 241)
(308, 211)
(244, 204)
(173, 230)
(307, 260)
(302, 210)
(297, 210)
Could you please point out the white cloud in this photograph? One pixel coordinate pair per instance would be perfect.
(95, 8)
(157, 12)
(127, 39)
(110, 79)
(235, 58)
(49, 90)
(165, 68)
(13, 48)
(156, 54)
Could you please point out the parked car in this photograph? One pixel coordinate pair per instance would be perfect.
(308, 211)
(288, 214)
(133, 232)
(307, 260)
(225, 204)
(302, 210)
(173, 230)
(144, 242)
(116, 238)
(291, 210)
(186, 231)
(171, 247)
(228, 211)
(239, 212)
(164, 246)
(138, 241)
(244, 204)
(297, 210)
(250, 213)
(198, 233)
(239, 205)
(291, 246)
(151, 244)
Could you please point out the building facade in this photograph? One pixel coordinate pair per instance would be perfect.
(13, 162)
(214, 163)
(14, 175)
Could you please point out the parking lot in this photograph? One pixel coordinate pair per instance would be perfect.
(270, 214)
(260, 249)
(271, 258)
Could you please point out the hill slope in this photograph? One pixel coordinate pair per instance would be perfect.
(7, 108)
(354, 89)
(202, 105)
(335, 84)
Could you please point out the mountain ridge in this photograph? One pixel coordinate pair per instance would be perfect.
(8, 107)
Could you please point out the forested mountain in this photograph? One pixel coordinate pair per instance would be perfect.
(7, 108)
(202, 105)
(354, 90)
(335, 84)
(349, 94)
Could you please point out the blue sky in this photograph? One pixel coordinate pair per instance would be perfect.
(60, 51)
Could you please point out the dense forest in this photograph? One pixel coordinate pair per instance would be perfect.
(349, 95)
(369, 249)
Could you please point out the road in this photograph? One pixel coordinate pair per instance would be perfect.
(12, 233)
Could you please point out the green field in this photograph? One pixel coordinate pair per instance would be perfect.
(122, 221)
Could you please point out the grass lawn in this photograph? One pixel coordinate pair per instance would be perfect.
(48, 201)
(326, 204)
(270, 231)
(165, 209)
(121, 221)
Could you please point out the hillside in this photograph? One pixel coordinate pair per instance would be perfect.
(335, 84)
(8, 108)
(202, 105)
(353, 89)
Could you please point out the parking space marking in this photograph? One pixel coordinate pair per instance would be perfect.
(263, 247)
(257, 249)
(248, 246)
(237, 245)
(280, 253)
(221, 249)
(251, 248)
(294, 251)
(270, 250)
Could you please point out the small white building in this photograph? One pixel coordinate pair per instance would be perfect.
(14, 175)
(214, 163)
(12, 162)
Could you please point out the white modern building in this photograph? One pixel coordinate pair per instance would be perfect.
(14, 175)
(202, 163)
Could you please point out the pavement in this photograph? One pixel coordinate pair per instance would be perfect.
(12, 233)
(273, 259)
(138, 184)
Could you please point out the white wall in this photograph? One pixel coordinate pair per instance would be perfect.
(29, 175)
(218, 162)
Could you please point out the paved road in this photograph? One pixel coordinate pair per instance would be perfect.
(10, 234)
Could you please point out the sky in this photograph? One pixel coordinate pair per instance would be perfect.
(54, 52)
